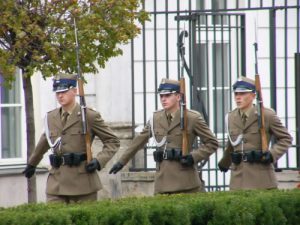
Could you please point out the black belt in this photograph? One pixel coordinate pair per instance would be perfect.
(69, 159)
(167, 154)
(250, 156)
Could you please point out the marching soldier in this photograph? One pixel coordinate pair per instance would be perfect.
(250, 167)
(174, 173)
(71, 178)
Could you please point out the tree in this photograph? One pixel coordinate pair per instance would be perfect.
(38, 35)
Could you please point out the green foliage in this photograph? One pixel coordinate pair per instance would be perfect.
(243, 207)
(39, 35)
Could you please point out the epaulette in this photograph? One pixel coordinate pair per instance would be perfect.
(270, 109)
(159, 110)
(233, 110)
(51, 110)
(194, 111)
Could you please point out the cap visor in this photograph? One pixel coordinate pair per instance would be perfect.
(61, 90)
(165, 92)
(242, 90)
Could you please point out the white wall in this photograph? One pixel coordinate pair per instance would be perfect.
(113, 88)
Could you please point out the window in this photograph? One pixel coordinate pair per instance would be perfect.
(221, 84)
(218, 75)
(12, 122)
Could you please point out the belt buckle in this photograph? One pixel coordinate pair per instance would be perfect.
(165, 155)
(62, 160)
(245, 157)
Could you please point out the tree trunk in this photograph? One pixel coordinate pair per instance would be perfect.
(30, 133)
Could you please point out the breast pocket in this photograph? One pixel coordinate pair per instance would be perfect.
(76, 131)
(234, 133)
(76, 139)
(175, 138)
(160, 134)
(54, 134)
(252, 139)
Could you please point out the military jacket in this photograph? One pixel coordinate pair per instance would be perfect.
(74, 180)
(254, 175)
(171, 176)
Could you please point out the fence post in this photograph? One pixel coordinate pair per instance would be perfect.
(297, 86)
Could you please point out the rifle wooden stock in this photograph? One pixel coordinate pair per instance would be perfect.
(89, 155)
(82, 103)
(183, 118)
(84, 121)
(261, 114)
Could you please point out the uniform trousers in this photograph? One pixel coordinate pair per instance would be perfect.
(194, 190)
(72, 198)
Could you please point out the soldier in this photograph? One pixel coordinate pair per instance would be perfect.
(250, 167)
(71, 178)
(174, 173)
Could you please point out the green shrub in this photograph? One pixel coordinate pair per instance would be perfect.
(276, 207)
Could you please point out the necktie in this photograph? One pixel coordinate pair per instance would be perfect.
(64, 118)
(244, 118)
(169, 118)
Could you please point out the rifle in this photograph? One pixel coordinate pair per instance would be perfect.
(260, 107)
(183, 110)
(82, 101)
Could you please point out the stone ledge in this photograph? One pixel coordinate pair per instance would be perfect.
(288, 176)
(137, 176)
(12, 170)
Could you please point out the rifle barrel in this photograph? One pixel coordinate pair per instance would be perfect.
(260, 106)
(82, 101)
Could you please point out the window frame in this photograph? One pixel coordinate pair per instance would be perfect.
(21, 104)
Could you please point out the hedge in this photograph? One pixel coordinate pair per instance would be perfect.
(213, 208)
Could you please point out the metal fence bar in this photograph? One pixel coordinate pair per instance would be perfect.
(297, 83)
(225, 10)
(155, 54)
(297, 87)
(273, 56)
(286, 75)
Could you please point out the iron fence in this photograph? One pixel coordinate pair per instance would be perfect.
(218, 50)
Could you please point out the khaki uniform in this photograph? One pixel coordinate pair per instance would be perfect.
(171, 176)
(75, 180)
(254, 175)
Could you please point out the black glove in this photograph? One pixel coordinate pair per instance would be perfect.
(267, 158)
(92, 166)
(187, 160)
(116, 168)
(222, 169)
(29, 171)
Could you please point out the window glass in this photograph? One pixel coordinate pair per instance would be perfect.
(221, 80)
(10, 132)
(10, 121)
